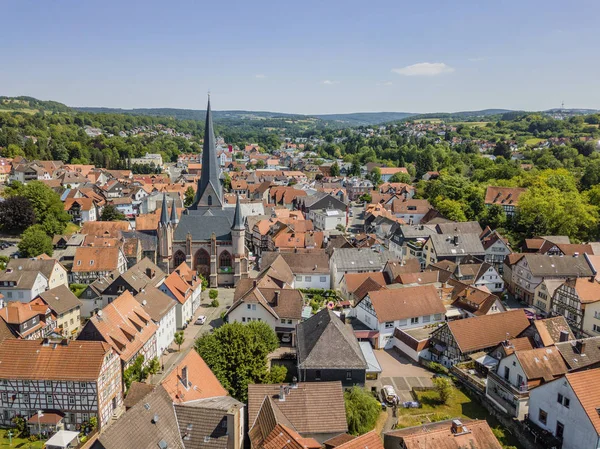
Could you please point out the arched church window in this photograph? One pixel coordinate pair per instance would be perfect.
(210, 200)
(179, 258)
(225, 259)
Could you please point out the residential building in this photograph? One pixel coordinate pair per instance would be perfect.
(310, 270)
(355, 260)
(578, 300)
(454, 341)
(506, 197)
(43, 375)
(281, 309)
(126, 326)
(454, 248)
(448, 434)
(405, 308)
(162, 309)
(28, 321)
(530, 269)
(496, 248)
(81, 210)
(328, 219)
(184, 286)
(320, 360)
(411, 211)
(20, 285)
(567, 408)
(66, 307)
(313, 409)
(354, 286)
(509, 385)
(543, 293)
(472, 301)
(91, 263)
(52, 269)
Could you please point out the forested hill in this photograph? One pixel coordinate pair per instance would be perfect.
(31, 105)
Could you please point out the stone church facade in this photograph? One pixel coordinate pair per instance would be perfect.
(209, 237)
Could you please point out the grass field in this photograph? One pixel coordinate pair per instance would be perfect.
(475, 124)
(533, 141)
(71, 228)
(20, 443)
(460, 405)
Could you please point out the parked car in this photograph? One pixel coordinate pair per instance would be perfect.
(286, 338)
(388, 395)
(200, 320)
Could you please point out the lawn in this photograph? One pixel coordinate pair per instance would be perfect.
(21, 443)
(71, 228)
(533, 141)
(77, 289)
(459, 405)
(475, 124)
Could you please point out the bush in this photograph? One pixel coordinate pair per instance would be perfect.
(443, 387)
(362, 410)
(437, 368)
(213, 294)
(214, 303)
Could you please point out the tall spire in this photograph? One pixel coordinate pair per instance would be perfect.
(209, 184)
(174, 220)
(164, 218)
(238, 218)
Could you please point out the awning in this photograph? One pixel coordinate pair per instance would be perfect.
(286, 330)
(372, 363)
(453, 312)
(62, 438)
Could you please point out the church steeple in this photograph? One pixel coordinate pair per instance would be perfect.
(210, 190)
(164, 218)
(238, 218)
(174, 220)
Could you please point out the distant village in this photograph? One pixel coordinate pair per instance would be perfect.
(363, 285)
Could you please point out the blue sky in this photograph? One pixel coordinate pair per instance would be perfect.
(325, 56)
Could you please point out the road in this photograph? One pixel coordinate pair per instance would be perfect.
(12, 248)
(193, 331)
(357, 221)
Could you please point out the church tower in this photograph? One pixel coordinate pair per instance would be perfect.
(165, 235)
(210, 190)
(238, 244)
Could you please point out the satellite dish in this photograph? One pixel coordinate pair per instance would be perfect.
(100, 313)
(144, 302)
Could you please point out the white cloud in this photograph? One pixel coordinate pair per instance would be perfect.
(260, 76)
(329, 82)
(424, 69)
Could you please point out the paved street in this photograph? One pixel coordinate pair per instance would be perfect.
(193, 331)
(12, 248)
(357, 221)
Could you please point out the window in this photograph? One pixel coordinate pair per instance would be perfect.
(437, 316)
(308, 278)
(26, 397)
(48, 383)
(427, 318)
(566, 402)
(323, 279)
(389, 325)
(318, 374)
(299, 278)
(596, 328)
(248, 306)
(506, 372)
(348, 375)
(414, 320)
(542, 416)
(560, 429)
(559, 399)
(253, 306)
(243, 319)
(282, 321)
(519, 380)
(82, 385)
(49, 399)
(289, 321)
(71, 399)
(20, 295)
(209, 201)
(225, 260)
(402, 323)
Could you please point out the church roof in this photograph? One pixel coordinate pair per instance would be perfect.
(202, 223)
(238, 218)
(164, 218)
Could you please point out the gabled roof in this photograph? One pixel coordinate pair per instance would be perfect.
(370, 440)
(355, 280)
(466, 227)
(477, 333)
(123, 324)
(44, 266)
(60, 299)
(90, 258)
(407, 302)
(316, 262)
(542, 363)
(466, 244)
(155, 302)
(504, 196)
(311, 407)
(281, 303)
(325, 342)
(202, 383)
(549, 329)
(39, 360)
(580, 354)
(541, 265)
(586, 386)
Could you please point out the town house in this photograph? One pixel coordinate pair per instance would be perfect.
(578, 300)
(91, 263)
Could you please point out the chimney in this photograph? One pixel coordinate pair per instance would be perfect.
(456, 240)
(580, 346)
(458, 428)
(564, 336)
(65, 342)
(575, 254)
(276, 300)
(254, 283)
(149, 273)
(281, 393)
(294, 383)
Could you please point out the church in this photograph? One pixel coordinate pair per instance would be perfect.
(210, 236)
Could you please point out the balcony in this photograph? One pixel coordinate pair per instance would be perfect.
(521, 392)
(542, 436)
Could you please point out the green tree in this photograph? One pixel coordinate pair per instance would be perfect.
(213, 293)
(424, 162)
(21, 427)
(111, 213)
(401, 177)
(153, 367)
(366, 197)
(189, 196)
(494, 217)
(179, 339)
(502, 149)
(34, 242)
(451, 209)
(277, 374)
(335, 170)
(237, 354)
(375, 176)
(135, 372)
(16, 214)
(362, 410)
(443, 387)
